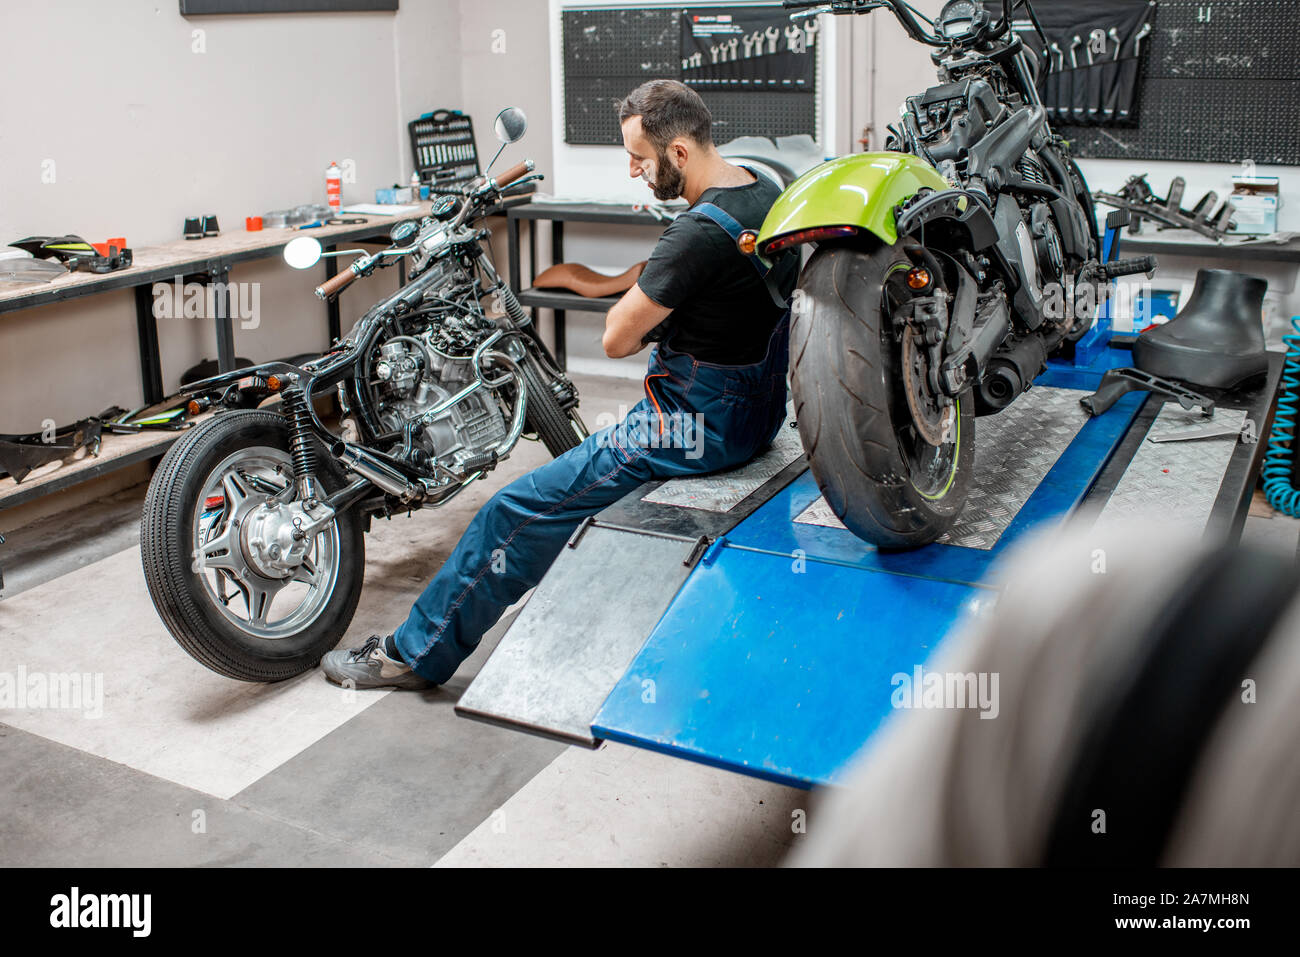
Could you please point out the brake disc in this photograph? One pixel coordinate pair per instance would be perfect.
(932, 420)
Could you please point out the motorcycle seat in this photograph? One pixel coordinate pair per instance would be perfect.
(1217, 340)
(587, 282)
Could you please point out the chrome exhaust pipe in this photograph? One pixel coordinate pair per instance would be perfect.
(383, 476)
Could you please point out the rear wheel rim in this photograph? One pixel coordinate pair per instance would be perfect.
(241, 483)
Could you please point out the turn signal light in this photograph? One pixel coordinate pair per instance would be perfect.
(809, 236)
(193, 407)
(273, 383)
(747, 242)
(918, 278)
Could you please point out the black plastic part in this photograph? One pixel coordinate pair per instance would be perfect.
(975, 227)
(1117, 383)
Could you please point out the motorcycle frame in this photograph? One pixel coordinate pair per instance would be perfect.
(346, 364)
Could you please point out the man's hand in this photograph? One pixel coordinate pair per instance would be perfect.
(628, 322)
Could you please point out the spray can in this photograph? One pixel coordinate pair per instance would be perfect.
(334, 186)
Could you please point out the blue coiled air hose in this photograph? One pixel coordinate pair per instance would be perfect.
(1279, 491)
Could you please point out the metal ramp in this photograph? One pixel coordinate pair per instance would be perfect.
(553, 668)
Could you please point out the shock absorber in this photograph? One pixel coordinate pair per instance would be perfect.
(301, 448)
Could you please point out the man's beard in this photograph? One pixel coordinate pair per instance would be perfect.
(669, 181)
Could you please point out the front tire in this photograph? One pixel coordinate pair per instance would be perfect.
(184, 509)
(884, 482)
(558, 430)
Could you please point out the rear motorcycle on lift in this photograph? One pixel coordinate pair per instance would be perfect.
(943, 278)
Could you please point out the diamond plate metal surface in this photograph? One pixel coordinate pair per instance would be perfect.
(1014, 451)
(723, 491)
(1174, 483)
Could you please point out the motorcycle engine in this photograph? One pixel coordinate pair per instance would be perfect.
(412, 374)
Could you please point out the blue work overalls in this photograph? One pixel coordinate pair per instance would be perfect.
(696, 417)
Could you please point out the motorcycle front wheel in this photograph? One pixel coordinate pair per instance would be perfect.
(558, 430)
(882, 478)
(210, 506)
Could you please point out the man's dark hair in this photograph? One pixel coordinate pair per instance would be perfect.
(668, 109)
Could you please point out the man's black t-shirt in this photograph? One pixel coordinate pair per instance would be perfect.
(721, 311)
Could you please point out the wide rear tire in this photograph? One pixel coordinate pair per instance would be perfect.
(845, 371)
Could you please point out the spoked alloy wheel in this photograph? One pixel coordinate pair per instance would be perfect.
(241, 554)
(239, 575)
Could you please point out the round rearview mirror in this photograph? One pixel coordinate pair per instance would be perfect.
(303, 252)
(403, 232)
(511, 124)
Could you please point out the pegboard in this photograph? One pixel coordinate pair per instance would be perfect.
(636, 43)
(1221, 83)
(607, 52)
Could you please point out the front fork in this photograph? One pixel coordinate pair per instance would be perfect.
(565, 393)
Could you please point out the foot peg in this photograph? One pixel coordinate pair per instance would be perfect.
(1127, 267)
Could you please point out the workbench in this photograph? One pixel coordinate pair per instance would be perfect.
(208, 261)
(752, 632)
(558, 214)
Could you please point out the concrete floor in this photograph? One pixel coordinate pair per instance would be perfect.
(184, 767)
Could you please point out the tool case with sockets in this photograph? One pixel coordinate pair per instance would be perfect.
(442, 143)
(1095, 48)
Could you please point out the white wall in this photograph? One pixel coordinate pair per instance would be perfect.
(143, 131)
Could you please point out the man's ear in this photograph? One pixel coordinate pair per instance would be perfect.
(679, 151)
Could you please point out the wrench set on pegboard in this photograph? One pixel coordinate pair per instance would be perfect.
(1095, 50)
(1219, 82)
(755, 69)
(753, 49)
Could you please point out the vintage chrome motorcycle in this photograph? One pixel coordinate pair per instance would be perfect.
(252, 533)
(945, 274)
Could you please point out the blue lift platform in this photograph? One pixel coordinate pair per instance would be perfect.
(731, 619)
(748, 621)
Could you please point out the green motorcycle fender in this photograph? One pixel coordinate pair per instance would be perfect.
(858, 191)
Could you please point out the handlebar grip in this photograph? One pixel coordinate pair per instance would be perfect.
(518, 171)
(336, 285)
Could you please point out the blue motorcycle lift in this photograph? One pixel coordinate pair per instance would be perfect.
(742, 618)
(728, 620)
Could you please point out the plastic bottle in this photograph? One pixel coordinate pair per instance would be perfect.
(334, 186)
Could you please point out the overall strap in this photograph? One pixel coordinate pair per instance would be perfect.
(732, 227)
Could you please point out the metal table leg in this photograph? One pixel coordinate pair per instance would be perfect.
(512, 250)
(146, 324)
(219, 282)
(557, 256)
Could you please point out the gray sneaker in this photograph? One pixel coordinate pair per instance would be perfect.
(371, 667)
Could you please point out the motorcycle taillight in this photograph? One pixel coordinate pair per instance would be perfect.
(815, 235)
